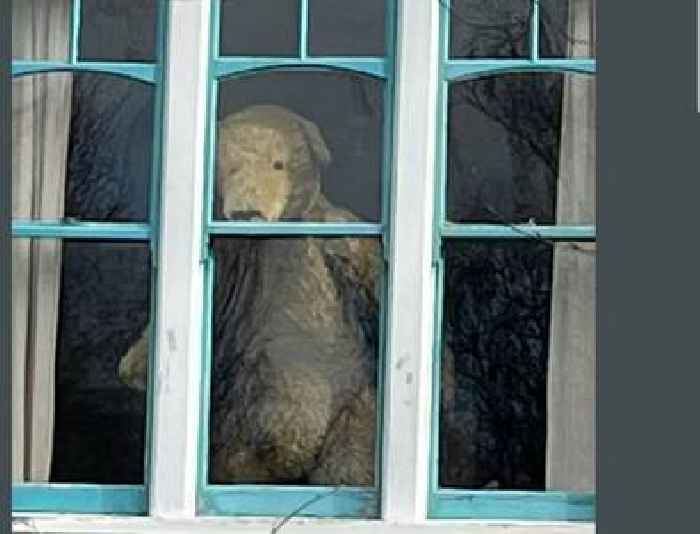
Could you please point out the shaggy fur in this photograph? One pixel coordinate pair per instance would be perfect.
(293, 396)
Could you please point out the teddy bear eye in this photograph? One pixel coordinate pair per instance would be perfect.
(278, 165)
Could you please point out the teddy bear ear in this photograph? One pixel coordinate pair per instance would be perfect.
(316, 142)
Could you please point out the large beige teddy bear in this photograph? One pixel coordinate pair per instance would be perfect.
(295, 330)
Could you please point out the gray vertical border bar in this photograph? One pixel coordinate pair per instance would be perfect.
(648, 316)
(5, 259)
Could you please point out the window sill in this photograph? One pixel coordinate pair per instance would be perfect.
(73, 524)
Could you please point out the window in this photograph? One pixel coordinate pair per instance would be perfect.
(302, 259)
(296, 222)
(86, 137)
(515, 239)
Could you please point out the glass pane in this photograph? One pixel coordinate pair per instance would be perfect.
(118, 31)
(294, 371)
(41, 30)
(82, 147)
(521, 148)
(259, 28)
(518, 366)
(347, 28)
(78, 306)
(300, 146)
(489, 28)
(567, 28)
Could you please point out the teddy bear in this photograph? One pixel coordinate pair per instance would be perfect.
(293, 396)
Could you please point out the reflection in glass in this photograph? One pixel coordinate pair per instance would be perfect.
(295, 345)
(521, 148)
(300, 146)
(41, 30)
(82, 147)
(567, 28)
(118, 31)
(489, 28)
(77, 306)
(518, 367)
(342, 28)
(259, 28)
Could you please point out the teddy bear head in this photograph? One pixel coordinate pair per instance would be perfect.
(268, 165)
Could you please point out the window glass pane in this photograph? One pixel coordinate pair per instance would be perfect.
(300, 146)
(489, 28)
(78, 306)
(41, 30)
(518, 366)
(123, 30)
(82, 147)
(347, 28)
(259, 28)
(294, 370)
(521, 147)
(567, 28)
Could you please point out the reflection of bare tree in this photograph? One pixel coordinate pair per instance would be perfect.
(497, 328)
(526, 109)
(108, 169)
(502, 28)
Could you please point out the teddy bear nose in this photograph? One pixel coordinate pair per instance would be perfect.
(246, 215)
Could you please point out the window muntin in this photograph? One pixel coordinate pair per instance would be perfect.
(84, 240)
(236, 83)
(560, 263)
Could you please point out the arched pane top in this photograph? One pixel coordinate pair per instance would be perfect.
(83, 147)
(521, 148)
(300, 146)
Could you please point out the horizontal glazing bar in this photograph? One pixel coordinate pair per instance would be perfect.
(85, 230)
(79, 498)
(456, 69)
(145, 72)
(294, 228)
(281, 501)
(377, 67)
(523, 231)
(544, 506)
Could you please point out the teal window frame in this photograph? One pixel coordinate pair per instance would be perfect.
(490, 504)
(315, 501)
(125, 499)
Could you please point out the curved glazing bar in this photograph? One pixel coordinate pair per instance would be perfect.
(456, 70)
(375, 67)
(144, 72)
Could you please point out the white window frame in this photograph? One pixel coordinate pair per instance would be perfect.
(172, 481)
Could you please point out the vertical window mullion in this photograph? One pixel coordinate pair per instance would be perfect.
(408, 385)
(175, 381)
